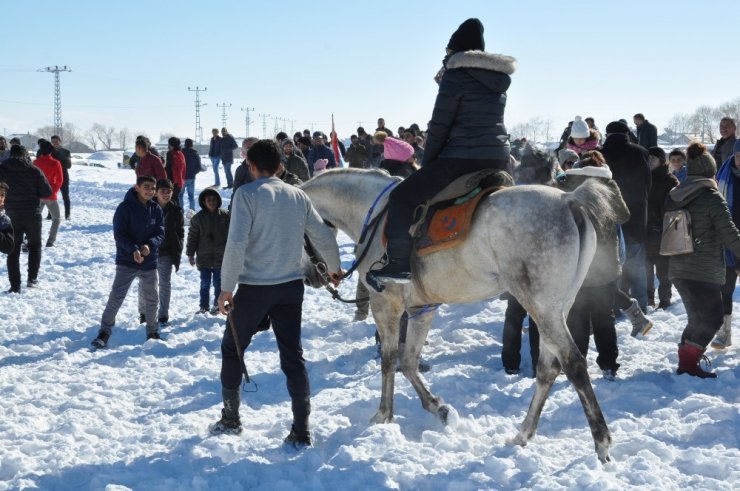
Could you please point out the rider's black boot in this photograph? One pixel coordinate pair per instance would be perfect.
(398, 268)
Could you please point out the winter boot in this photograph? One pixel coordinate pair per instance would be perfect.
(689, 355)
(724, 335)
(640, 323)
(229, 424)
(298, 439)
(398, 268)
(101, 341)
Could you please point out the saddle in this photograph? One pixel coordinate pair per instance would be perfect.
(445, 221)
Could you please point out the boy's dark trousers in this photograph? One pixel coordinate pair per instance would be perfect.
(28, 224)
(593, 308)
(283, 303)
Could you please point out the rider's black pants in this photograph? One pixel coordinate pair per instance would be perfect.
(423, 185)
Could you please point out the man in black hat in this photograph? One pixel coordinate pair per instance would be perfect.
(629, 165)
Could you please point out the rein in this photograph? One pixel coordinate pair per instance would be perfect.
(369, 225)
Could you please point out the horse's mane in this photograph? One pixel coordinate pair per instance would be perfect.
(379, 175)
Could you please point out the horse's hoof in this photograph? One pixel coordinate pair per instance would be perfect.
(443, 413)
(381, 418)
(603, 454)
(519, 439)
(448, 416)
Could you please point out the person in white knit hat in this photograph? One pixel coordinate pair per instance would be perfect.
(582, 138)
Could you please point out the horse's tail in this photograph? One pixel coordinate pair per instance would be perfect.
(595, 206)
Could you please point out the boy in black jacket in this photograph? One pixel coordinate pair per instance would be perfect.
(139, 231)
(169, 252)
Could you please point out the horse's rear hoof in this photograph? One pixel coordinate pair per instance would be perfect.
(448, 416)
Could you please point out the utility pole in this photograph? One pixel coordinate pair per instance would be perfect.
(264, 124)
(247, 120)
(223, 113)
(198, 128)
(57, 95)
(276, 128)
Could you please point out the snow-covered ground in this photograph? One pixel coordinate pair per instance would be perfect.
(136, 415)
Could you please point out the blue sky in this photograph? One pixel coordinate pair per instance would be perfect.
(132, 61)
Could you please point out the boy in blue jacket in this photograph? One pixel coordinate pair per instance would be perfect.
(138, 227)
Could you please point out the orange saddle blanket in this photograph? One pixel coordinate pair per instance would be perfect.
(448, 227)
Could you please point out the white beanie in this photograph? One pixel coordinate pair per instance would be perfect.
(579, 129)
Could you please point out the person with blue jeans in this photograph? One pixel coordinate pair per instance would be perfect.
(228, 145)
(209, 229)
(192, 167)
(214, 153)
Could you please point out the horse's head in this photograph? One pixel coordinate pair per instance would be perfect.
(315, 272)
(536, 167)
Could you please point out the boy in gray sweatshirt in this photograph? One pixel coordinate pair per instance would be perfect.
(263, 256)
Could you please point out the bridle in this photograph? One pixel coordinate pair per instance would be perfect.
(370, 226)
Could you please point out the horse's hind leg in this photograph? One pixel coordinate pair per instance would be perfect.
(548, 368)
(418, 329)
(555, 338)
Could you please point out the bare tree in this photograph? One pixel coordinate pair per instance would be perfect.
(91, 139)
(104, 134)
(703, 119)
(45, 132)
(124, 135)
(680, 124)
(69, 133)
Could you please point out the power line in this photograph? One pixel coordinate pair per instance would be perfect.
(198, 127)
(56, 70)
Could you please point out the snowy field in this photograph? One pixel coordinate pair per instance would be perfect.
(135, 416)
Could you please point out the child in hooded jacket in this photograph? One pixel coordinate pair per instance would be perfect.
(209, 229)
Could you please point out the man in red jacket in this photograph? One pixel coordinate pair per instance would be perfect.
(52, 169)
(176, 169)
(149, 164)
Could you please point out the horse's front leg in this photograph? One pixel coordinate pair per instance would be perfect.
(418, 329)
(387, 314)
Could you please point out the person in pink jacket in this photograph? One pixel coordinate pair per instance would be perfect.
(582, 138)
(52, 169)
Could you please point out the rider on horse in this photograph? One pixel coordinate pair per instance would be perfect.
(466, 134)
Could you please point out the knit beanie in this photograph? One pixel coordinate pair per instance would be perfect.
(566, 154)
(617, 127)
(395, 149)
(579, 128)
(657, 152)
(469, 36)
(700, 162)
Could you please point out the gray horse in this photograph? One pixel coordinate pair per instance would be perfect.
(528, 240)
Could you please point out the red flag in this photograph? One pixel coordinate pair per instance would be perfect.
(335, 143)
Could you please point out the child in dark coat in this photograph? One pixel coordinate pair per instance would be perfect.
(209, 229)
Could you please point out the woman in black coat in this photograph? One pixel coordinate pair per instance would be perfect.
(466, 134)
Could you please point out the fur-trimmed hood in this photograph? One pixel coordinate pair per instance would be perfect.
(590, 171)
(483, 60)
